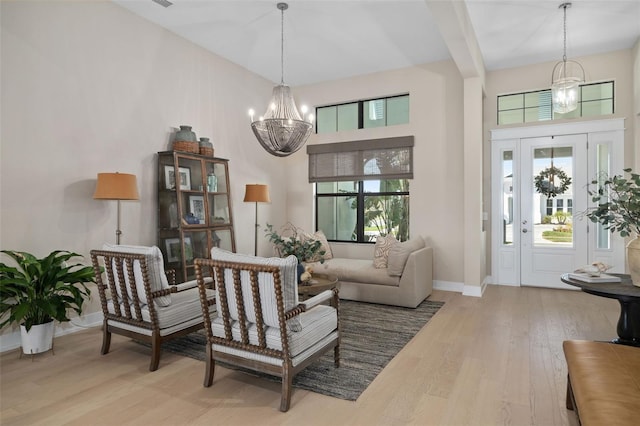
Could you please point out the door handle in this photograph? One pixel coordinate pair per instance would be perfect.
(525, 230)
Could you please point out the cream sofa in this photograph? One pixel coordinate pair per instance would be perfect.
(361, 281)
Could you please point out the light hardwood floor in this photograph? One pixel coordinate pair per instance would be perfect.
(495, 360)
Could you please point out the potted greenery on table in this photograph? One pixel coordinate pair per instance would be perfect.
(618, 210)
(292, 241)
(39, 291)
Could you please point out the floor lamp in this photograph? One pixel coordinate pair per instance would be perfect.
(116, 186)
(255, 193)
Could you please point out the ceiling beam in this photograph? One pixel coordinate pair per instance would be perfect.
(453, 22)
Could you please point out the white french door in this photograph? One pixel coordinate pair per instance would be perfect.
(539, 192)
(552, 240)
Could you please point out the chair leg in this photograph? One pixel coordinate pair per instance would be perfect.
(336, 355)
(106, 338)
(155, 351)
(210, 367)
(287, 384)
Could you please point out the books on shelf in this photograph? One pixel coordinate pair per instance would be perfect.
(603, 278)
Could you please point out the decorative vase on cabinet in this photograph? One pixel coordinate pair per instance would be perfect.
(185, 140)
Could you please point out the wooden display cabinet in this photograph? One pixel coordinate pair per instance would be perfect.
(194, 209)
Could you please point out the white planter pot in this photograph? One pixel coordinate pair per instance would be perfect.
(633, 259)
(38, 339)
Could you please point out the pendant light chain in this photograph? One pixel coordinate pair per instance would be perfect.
(564, 56)
(282, 44)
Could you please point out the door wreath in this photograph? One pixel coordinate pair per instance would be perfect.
(546, 182)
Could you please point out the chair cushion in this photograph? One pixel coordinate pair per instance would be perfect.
(288, 276)
(399, 254)
(155, 267)
(316, 323)
(185, 306)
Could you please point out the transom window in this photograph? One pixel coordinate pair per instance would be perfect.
(526, 107)
(363, 114)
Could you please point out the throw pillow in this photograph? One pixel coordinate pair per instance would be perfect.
(324, 245)
(399, 254)
(381, 250)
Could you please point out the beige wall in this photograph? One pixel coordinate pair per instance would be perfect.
(618, 66)
(90, 87)
(436, 205)
(635, 53)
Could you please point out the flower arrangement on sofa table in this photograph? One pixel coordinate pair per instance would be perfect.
(293, 241)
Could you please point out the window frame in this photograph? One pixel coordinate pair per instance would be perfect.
(554, 116)
(361, 112)
(360, 196)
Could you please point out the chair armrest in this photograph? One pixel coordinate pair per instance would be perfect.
(317, 299)
(190, 284)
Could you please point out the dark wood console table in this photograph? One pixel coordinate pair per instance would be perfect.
(629, 297)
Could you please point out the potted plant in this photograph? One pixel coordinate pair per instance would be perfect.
(618, 210)
(289, 242)
(39, 291)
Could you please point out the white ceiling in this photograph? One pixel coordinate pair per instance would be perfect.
(332, 39)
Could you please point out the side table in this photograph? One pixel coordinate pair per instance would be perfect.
(317, 284)
(629, 297)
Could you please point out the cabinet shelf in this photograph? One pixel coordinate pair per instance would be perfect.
(194, 209)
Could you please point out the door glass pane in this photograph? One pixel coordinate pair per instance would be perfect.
(603, 236)
(507, 197)
(553, 181)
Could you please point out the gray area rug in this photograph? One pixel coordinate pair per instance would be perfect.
(371, 336)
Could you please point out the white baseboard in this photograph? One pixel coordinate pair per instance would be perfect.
(474, 290)
(12, 341)
(448, 286)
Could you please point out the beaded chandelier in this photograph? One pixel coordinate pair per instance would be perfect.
(282, 130)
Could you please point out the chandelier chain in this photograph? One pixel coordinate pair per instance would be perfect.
(282, 44)
(564, 55)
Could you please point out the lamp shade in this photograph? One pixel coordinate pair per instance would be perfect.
(116, 186)
(256, 193)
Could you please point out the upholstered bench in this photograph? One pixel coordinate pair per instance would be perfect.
(603, 385)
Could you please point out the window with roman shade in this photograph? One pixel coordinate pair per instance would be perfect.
(362, 188)
(373, 159)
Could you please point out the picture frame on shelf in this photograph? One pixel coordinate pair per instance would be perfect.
(174, 249)
(196, 206)
(170, 179)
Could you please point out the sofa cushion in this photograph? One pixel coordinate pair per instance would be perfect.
(356, 270)
(381, 250)
(399, 254)
(155, 268)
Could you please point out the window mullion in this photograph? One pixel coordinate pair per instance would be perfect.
(360, 223)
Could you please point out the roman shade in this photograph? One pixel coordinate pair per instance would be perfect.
(372, 159)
